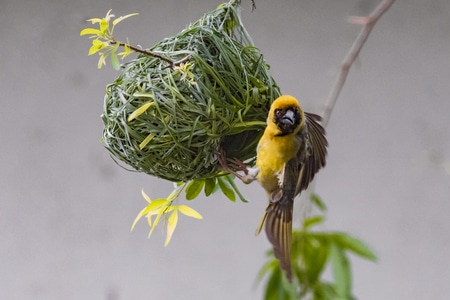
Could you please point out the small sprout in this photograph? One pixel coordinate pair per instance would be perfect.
(186, 74)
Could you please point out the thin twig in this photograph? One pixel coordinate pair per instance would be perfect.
(135, 49)
(253, 5)
(368, 22)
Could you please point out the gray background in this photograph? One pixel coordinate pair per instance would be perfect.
(66, 208)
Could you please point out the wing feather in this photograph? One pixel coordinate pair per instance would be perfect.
(316, 146)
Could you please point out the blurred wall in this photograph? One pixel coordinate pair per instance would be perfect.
(66, 207)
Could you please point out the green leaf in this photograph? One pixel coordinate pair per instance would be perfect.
(316, 250)
(324, 291)
(210, 186)
(120, 19)
(318, 202)
(115, 61)
(278, 287)
(171, 225)
(230, 179)
(311, 221)
(226, 190)
(273, 287)
(194, 188)
(267, 268)
(341, 271)
(345, 241)
(190, 212)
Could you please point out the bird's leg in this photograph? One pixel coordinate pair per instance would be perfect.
(249, 174)
(223, 162)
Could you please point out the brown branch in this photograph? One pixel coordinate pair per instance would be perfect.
(368, 22)
(253, 5)
(145, 52)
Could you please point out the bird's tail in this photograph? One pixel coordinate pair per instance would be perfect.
(278, 219)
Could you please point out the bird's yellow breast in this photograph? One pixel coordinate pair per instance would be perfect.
(272, 154)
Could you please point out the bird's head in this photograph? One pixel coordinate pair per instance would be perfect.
(285, 116)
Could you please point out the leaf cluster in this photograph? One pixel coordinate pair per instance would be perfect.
(166, 209)
(103, 41)
(312, 252)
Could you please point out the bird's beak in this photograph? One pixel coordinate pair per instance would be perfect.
(288, 118)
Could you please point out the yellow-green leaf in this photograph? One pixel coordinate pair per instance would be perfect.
(143, 212)
(101, 61)
(92, 31)
(157, 204)
(161, 212)
(97, 45)
(146, 141)
(149, 210)
(120, 19)
(109, 15)
(175, 193)
(139, 111)
(104, 26)
(190, 212)
(143, 95)
(126, 51)
(171, 225)
(138, 217)
(95, 20)
(146, 197)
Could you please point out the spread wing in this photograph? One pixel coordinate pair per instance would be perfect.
(316, 151)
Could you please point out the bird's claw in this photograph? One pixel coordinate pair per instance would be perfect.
(233, 165)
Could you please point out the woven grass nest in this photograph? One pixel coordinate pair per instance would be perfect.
(171, 122)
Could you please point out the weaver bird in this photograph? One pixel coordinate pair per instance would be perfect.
(289, 154)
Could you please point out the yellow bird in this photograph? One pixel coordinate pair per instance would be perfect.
(290, 152)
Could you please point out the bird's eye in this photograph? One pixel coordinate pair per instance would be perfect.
(278, 113)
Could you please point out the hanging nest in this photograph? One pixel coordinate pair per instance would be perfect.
(172, 121)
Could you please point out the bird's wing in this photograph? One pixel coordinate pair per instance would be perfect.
(315, 157)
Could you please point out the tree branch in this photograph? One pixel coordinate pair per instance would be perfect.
(368, 22)
(135, 49)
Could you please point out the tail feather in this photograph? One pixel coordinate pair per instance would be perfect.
(261, 223)
(279, 232)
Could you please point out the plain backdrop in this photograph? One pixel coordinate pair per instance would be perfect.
(66, 207)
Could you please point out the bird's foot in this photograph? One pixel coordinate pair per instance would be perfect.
(234, 165)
